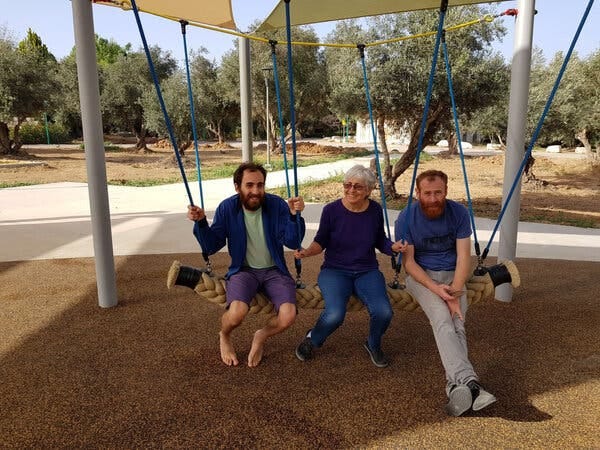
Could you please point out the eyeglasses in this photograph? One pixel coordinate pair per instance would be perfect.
(357, 187)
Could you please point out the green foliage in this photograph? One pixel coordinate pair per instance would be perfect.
(125, 83)
(33, 45)
(35, 133)
(29, 86)
(108, 51)
(574, 115)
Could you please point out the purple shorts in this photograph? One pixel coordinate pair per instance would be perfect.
(277, 286)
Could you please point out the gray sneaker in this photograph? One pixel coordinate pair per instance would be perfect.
(481, 397)
(305, 349)
(377, 356)
(459, 400)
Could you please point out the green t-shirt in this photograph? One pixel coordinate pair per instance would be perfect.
(257, 253)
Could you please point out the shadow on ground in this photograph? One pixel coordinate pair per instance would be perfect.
(147, 373)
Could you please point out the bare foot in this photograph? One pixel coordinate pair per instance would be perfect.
(227, 351)
(256, 351)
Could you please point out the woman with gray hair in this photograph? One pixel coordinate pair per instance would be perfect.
(350, 230)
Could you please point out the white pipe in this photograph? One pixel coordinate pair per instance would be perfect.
(91, 118)
(515, 139)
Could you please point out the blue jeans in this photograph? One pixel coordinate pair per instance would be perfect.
(337, 286)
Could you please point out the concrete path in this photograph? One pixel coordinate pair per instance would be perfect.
(53, 220)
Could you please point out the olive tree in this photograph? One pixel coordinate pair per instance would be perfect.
(28, 84)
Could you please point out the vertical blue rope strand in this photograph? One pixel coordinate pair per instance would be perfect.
(280, 116)
(361, 49)
(457, 128)
(436, 50)
(297, 262)
(539, 125)
(160, 99)
(192, 111)
(290, 66)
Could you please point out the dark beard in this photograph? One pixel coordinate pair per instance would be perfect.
(252, 206)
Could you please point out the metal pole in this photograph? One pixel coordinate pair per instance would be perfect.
(268, 122)
(245, 98)
(89, 97)
(46, 126)
(515, 139)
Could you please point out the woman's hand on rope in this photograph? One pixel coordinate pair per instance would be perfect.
(300, 253)
(399, 246)
(296, 204)
(195, 213)
(313, 249)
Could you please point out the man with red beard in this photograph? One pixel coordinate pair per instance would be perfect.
(437, 260)
(255, 226)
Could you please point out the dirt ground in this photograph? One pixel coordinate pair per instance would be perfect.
(566, 190)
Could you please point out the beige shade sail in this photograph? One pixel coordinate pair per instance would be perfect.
(313, 11)
(217, 13)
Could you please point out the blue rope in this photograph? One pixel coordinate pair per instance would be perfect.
(424, 120)
(280, 116)
(290, 66)
(192, 111)
(539, 126)
(361, 49)
(458, 134)
(160, 99)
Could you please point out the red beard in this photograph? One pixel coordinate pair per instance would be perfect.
(433, 210)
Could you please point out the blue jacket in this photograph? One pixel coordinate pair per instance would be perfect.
(281, 228)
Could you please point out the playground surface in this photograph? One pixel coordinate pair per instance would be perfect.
(147, 373)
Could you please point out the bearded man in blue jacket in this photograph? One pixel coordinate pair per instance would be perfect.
(255, 226)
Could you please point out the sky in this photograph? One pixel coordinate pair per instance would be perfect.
(554, 27)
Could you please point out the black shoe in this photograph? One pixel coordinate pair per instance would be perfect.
(304, 351)
(377, 356)
(481, 397)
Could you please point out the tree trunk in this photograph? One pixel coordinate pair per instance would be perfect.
(386, 175)
(216, 130)
(272, 135)
(452, 144)
(411, 152)
(502, 145)
(5, 142)
(220, 137)
(582, 136)
(10, 146)
(140, 139)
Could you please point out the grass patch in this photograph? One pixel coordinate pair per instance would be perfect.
(17, 184)
(226, 170)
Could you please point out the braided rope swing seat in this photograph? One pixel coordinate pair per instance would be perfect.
(212, 288)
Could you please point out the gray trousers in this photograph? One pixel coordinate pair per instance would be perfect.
(449, 332)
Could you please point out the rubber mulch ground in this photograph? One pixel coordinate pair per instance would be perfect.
(147, 373)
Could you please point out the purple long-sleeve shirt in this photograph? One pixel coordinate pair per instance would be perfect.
(350, 238)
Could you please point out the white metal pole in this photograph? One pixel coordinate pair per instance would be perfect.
(515, 139)
(245, 98)
(268, 122)
(91, 118)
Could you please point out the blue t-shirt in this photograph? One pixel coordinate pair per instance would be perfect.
(435, 239)
(350, 238)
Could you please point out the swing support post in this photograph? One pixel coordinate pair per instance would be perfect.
(245, 98)
(515, 140)
(91, 119)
